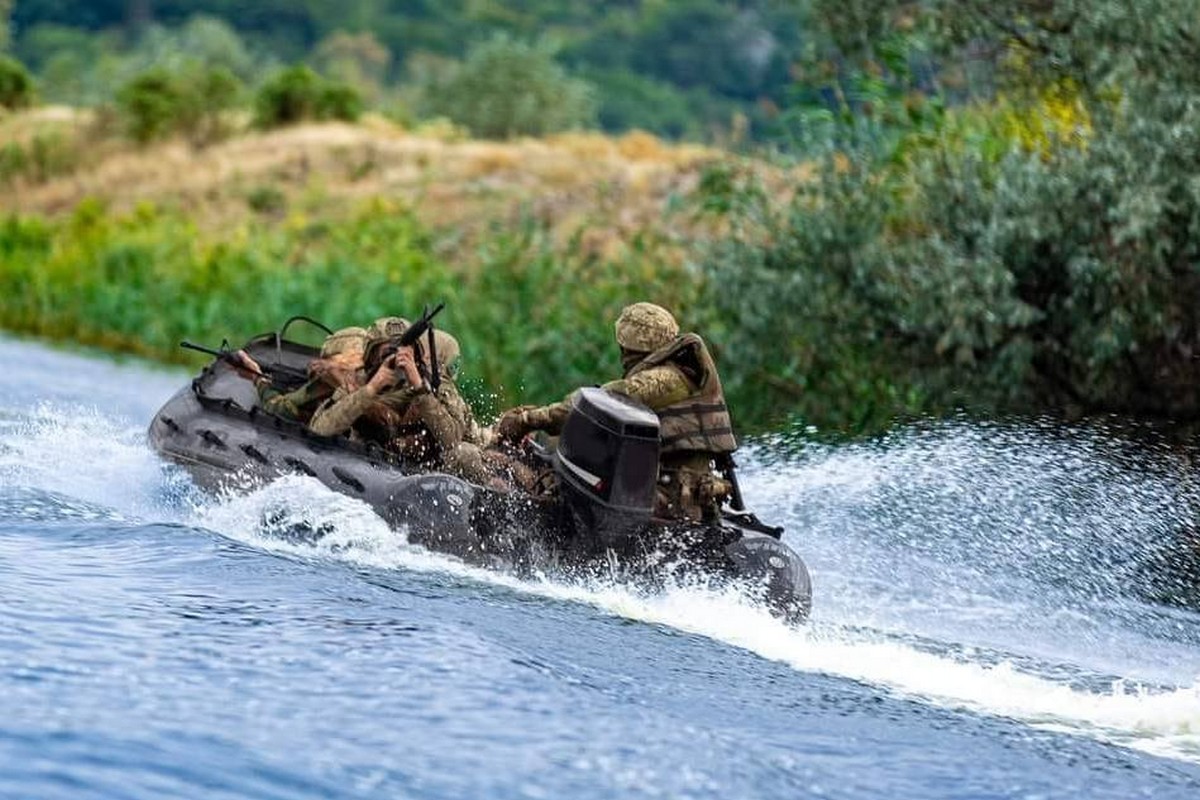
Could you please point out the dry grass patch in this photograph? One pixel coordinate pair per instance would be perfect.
(22, 127)
(605, 189)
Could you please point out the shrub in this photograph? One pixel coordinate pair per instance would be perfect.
(158, 103)
(508, 89)
(1032, 252)
(266, 200)
(143, 281)
(151, 105)
(208, 95)
(16, 85)
(14, 161)
(339, 101)
(297, 94)
(43, 157)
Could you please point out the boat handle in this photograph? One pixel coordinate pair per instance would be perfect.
(348, 479)
(300, 466)
(212, 439)
(255, 453)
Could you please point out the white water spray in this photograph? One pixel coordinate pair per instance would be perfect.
(104, 462)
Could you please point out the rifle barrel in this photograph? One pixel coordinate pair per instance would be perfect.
(199, 348)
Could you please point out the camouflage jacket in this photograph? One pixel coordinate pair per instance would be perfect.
(299, 404)
(415, 420)
(324, 377)
(657, 388)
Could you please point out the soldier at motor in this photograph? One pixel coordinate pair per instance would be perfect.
(674, 375)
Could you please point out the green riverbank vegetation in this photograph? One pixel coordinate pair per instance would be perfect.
(533, 317)
(988, 206)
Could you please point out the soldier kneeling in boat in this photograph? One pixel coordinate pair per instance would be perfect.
(676, 377)
(403, 407)
(338, 367)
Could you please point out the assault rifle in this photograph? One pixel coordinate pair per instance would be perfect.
(281, 375)
(223, 354)
(411, 338)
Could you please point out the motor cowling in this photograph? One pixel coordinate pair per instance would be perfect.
(607, 466)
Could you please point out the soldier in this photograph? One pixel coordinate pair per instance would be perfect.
(676, 377)
(400, 409)
(338, 367)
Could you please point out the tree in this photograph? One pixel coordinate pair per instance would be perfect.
(202, 42)
(507, 88)
(159, 103)
(298, 93)
(151, 105)
(963, 262)
(16, 85)
(209, 94)
(358, 59)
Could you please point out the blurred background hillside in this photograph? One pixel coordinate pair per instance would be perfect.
(875, 210)
(680, 69)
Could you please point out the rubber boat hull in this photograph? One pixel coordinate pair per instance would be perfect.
(214, 429)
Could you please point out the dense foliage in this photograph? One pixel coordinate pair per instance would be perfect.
(508, 89)
(995, 205)
(1034, 252)
(523, 308)
(158, 103)
(298, 94)
(684, 67)
(16, 85)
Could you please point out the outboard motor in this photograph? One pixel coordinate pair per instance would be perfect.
(607, 465)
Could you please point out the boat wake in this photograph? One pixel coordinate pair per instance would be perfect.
(942, 606)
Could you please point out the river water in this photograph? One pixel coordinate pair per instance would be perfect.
(978, 631)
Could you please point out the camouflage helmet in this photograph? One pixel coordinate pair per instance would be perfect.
(448, 350)
(347, 340)
(386, 327)
(645, 327)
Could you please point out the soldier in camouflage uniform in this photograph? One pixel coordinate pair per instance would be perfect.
(338, 367)
(399, 409)
(676, 377)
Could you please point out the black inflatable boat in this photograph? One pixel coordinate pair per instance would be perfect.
(598, 518)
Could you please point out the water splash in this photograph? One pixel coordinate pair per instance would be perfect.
(1163, 720)
(1075, 507)
(81, 453)
(989, 534)
(920, 550)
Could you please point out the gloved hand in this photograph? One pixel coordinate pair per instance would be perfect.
(333, 372)
(383, 379)
(245, 366)
(406, 364)
(512, 425)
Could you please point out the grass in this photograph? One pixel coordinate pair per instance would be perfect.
(534, 319)
(535, 245)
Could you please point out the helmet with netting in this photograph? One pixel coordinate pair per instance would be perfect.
(351, 341)
(387, 327)
(448, 350)
(645, 327)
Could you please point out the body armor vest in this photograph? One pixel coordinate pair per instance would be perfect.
(699, 423)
